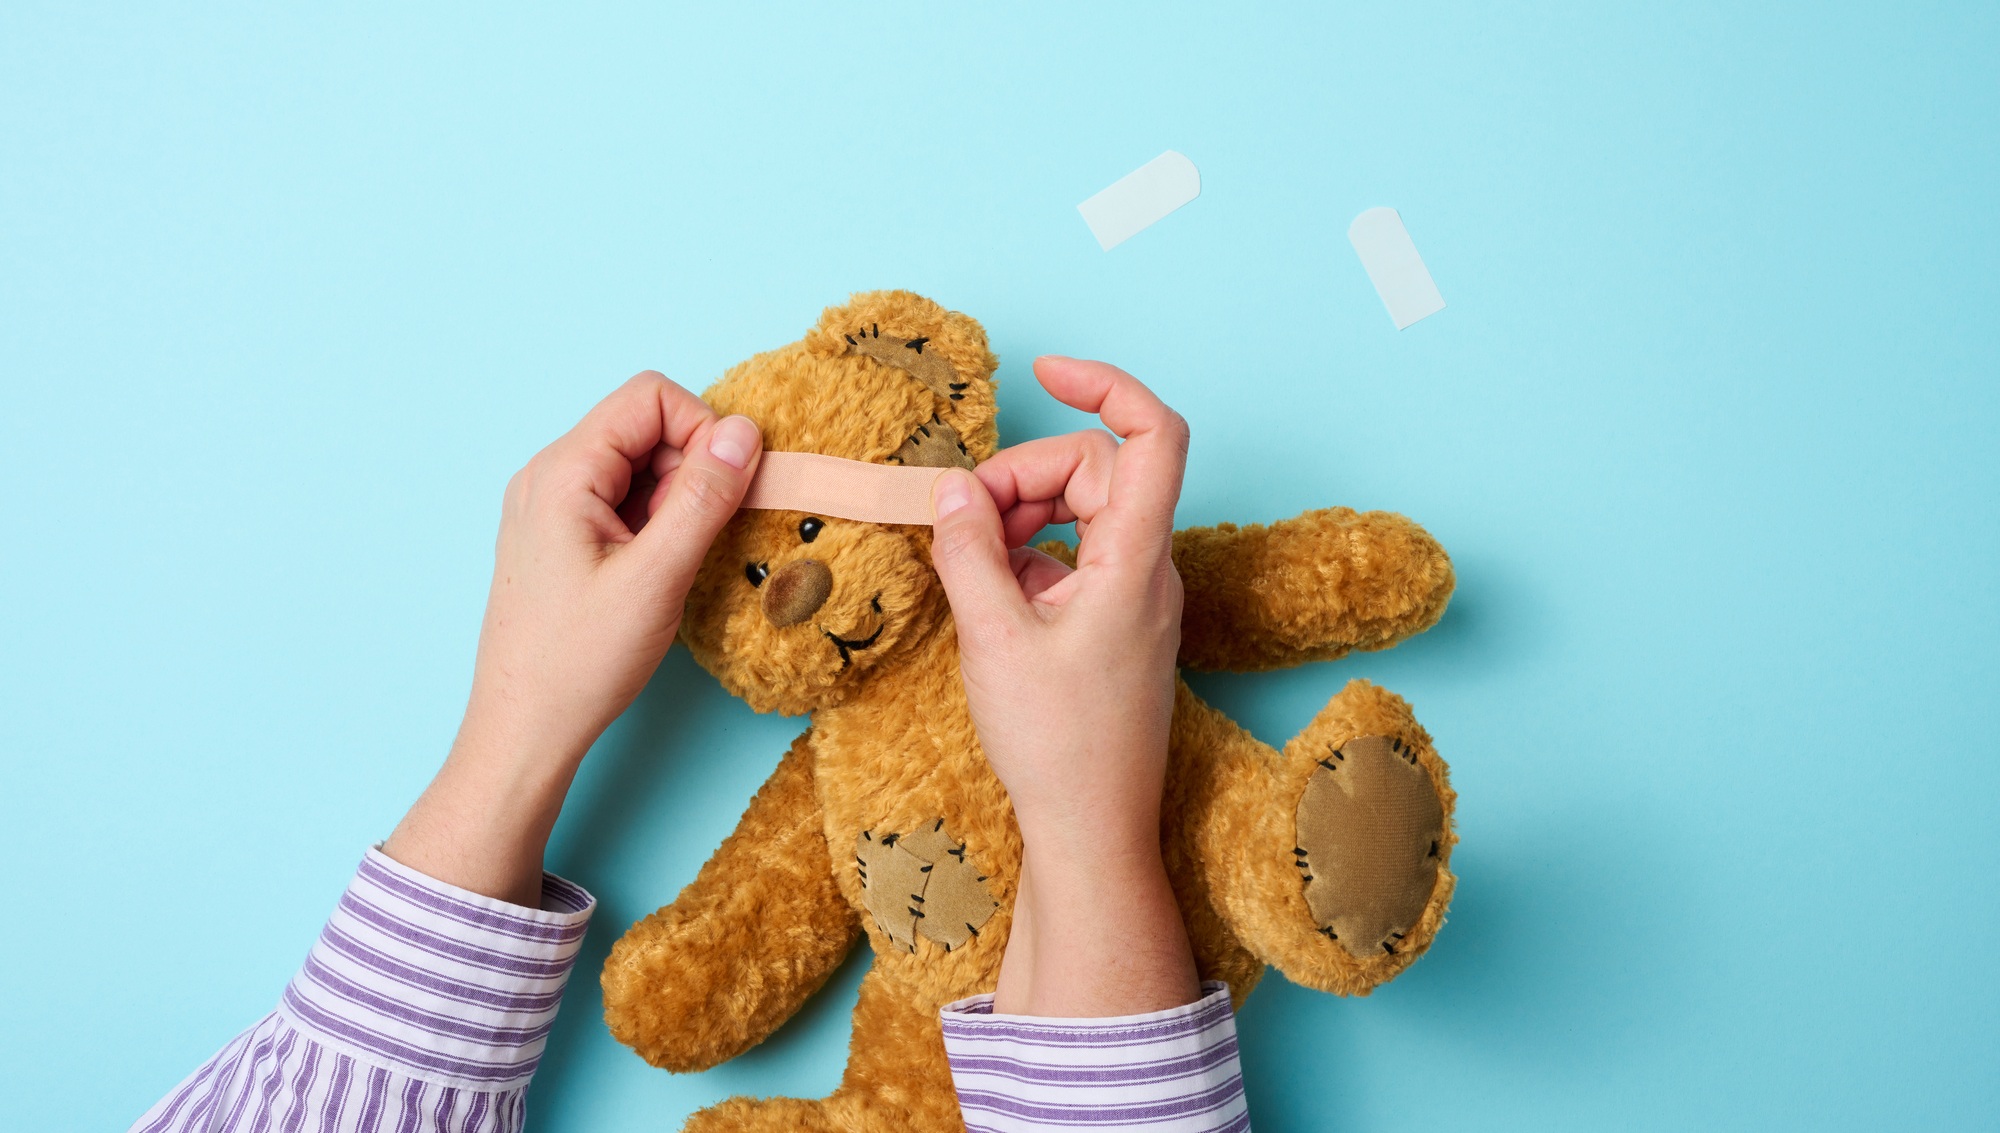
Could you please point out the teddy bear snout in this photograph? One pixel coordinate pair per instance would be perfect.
(796, 592)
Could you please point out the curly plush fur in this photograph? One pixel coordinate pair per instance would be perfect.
(891, 750)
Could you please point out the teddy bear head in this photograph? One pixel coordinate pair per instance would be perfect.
(793, 612)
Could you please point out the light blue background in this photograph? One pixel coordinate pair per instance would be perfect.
(1709, 429)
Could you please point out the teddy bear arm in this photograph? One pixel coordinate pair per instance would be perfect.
(759, 929)
(1312, 588)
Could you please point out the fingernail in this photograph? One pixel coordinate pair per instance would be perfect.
(733, 441)
(950, 494)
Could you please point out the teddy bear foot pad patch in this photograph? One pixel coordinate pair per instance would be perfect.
(1369, 827)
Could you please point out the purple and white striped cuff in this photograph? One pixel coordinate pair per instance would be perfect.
(1173, 1071)
(435, 982)
(422, 1006)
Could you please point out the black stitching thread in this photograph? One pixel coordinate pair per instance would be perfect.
(846, 647)
(850, 340)
(917, 344)
(958, 385)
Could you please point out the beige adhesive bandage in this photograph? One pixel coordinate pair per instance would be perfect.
(845, 489)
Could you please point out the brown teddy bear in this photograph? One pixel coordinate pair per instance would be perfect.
(1327, 860)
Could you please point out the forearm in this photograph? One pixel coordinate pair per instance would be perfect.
(483, 824)
(1096, 933)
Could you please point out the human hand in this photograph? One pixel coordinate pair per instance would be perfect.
(1070, 672)
(1070, 678)
(600, 537)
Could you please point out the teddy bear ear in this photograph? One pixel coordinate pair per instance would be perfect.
(940, 350)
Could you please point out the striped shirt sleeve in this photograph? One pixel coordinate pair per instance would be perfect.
(1173, 1071)
(421, 1007)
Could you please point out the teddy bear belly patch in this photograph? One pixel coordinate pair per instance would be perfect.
(922, 884)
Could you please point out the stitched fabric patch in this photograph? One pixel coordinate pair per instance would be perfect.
(922, 884)
(907, 355)
(935, 445)
(1368, 829)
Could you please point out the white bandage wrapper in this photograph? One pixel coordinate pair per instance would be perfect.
(844, 489)
(1394, 267)
(1141, 199)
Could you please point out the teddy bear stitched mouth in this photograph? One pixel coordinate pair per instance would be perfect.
(846, 646)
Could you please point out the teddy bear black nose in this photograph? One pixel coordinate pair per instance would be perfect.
(796, 591)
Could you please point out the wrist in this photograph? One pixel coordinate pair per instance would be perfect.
(504, 729)
(1094, 870)
(1099, 936)
(1079, 828)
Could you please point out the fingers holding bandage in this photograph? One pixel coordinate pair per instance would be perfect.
(1121, 496)
(1119, 485)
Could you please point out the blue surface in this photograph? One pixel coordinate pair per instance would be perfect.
(1709, 428)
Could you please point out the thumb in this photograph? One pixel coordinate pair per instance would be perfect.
(702, 495)
(969, 549)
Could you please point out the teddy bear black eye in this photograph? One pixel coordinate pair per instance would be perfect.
(809, 529)
(756, 573)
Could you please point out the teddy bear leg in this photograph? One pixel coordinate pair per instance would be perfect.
(897, 1079)
(1330, 860)
(762, 1115)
